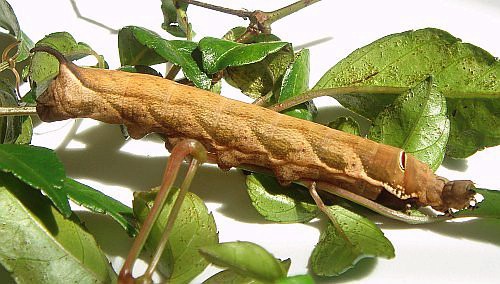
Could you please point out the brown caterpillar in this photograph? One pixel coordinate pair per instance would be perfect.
(237, 133)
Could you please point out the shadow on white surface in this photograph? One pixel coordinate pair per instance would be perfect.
(481, 230)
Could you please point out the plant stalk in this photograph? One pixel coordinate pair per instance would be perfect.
(239, 13)
(4, 66)
(288, 10)
(15, 111)
(333, 92)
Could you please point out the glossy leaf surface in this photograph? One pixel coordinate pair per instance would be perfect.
(140, 46)
(278, 203)
(417, 123)
(345, 124)
(39, 245)
(45, 67)
(489, 207)
(342, 246)
(247, 259)
(194, 227)
(98, 202)
(465, 74)
(296, 81)
(38, 167)
(219, 54)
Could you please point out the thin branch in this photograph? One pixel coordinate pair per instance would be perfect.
(239, 13)
(13, 111)
(332, 92)
(288, 10)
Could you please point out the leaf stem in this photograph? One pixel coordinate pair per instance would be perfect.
(14, 111)
(4, 66)
(239, 13)
(333, 92)
(288, 10)
(259, 20)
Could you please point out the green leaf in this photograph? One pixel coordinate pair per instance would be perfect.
(465, 74)
(235, 33)
(218, 54)
(247, 259)
(38, 167)
(280, 204)
(229, 276)
(340, 248)
(417, 123)
(143, 69)
(10, 126)
(489, 207)
(26, 131)
(295, 82)
(193, 228)
(8, 21)
(175, 18)
(44, 67)
(346, 124)
(297, 279)
(98, 202)
(139, 46)
(258, 79)
(40, 246)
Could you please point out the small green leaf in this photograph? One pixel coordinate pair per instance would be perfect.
(10, 126)
(139, 46)
(465, 74)
(175, 18)
(218, 54)
(143, 69)
(260, 78)
(297, 279)
(229, 276)
(280, 204)
(295, 82)
(194, 227)
(235, 33)
(489, 207)
(346, 124)
(39, 245)
(38, 167)
(247, 259)
(98, 202)
(44, 67)
(8, 21)
(340, 248)
(416, 122)
(26, 131)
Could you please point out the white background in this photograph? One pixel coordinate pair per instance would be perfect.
(96, 154)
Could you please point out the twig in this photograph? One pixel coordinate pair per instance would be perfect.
(332, 92)
(239, 13)
(260, 21)
(12, 111)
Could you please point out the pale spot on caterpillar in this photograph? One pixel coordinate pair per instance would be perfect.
(402, 160)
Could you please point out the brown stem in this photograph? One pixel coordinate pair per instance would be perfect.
(239, 13)
(288, 10)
